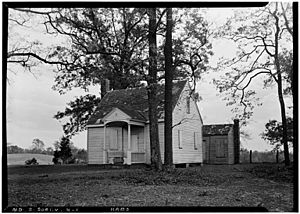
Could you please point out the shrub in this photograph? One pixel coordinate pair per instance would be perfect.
(32, 161)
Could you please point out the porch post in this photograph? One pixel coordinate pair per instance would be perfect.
(129, 145)
(104, 142)
(129, 136)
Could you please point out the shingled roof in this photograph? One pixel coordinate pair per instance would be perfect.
(134, 102)
(218, 129)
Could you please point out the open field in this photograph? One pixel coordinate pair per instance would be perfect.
(266, 185)
(20, 158)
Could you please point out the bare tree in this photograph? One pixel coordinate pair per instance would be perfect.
(263, 38)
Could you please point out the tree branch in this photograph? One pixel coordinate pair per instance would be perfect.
(289, 29)
(29, 54)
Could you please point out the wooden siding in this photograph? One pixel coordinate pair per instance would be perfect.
(161, 135)
(139, 132)
(147, 144)
(189, 125)
(95, 145)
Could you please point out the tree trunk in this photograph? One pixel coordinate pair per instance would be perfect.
(152, 92)
(168, 91)
(279, 90)
(283, 118)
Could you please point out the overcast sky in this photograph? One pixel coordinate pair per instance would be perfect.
(31, 103)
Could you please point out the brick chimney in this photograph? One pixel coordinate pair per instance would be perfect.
(105, 87)
(236, 140)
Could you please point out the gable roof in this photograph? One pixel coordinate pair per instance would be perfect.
(134, 102)
(217, 129)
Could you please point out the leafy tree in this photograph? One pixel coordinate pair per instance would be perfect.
(37, 145)
(13, 149)
(49, 151)
(78, 112)
(100, 43)
(107, 43)
(112, 43)
(264, 42)
(274, 132)
(64, 151)
(286, 63)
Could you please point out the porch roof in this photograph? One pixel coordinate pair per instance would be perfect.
(134, 102)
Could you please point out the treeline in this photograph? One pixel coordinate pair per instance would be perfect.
(260, 157)
(13, 149)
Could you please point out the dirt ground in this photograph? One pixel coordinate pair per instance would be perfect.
(256, 185)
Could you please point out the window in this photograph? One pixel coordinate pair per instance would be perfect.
(196, 140)
(188, 105)
(179, 139)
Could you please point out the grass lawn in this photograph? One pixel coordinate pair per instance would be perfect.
(20, 158)
(266, 185)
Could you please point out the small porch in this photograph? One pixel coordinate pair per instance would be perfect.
(124, 142)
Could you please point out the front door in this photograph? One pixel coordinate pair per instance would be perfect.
(114, 142)
(219, 150)
(134, 143)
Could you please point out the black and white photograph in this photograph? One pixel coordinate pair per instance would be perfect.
(149, 107)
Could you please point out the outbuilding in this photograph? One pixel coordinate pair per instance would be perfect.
(221, 143)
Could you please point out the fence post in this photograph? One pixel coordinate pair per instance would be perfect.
(250, 156)
(277, 156)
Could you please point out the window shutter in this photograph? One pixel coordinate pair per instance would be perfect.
(179, 139)
(195, 141)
